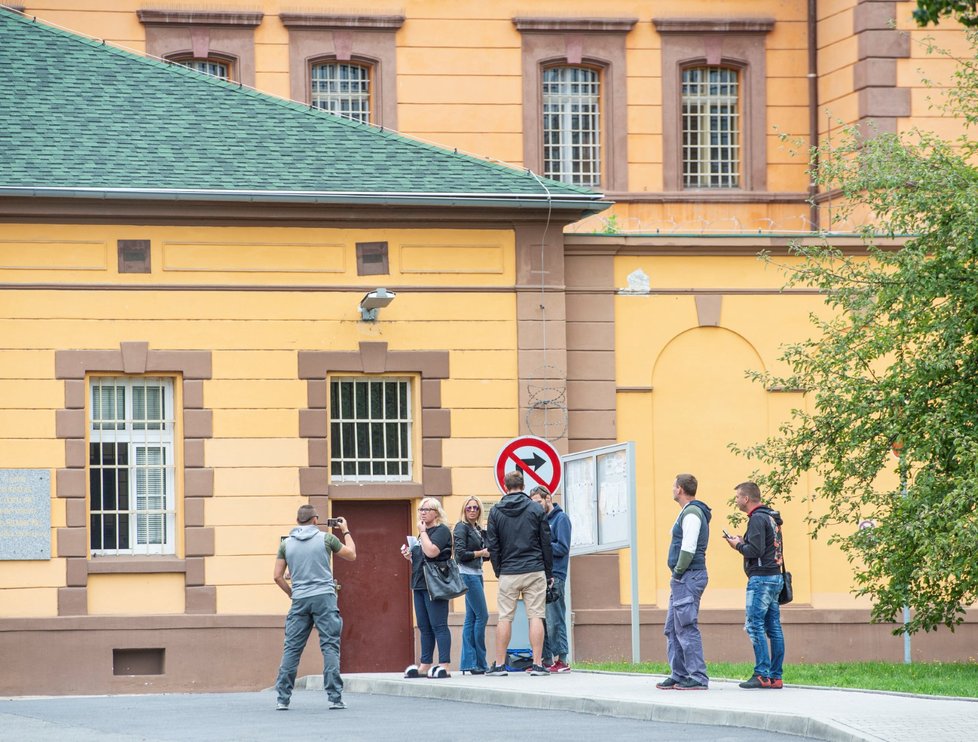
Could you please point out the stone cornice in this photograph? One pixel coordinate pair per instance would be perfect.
(249, 19)
(706, 25)
(356, 22)
(574, 25)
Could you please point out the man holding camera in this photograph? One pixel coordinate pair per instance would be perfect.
(306, 552)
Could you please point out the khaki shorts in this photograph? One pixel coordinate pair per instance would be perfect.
(533, 586)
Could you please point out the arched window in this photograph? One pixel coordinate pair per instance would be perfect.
(342, 88)
(215, 66)
(572, 125)
(711, 127)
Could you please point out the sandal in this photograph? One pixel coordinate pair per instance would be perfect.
(412, 672)
(437, 671)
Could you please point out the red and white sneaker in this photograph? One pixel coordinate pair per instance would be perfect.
(559, 666)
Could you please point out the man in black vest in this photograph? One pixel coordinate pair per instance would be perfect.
(687, 560)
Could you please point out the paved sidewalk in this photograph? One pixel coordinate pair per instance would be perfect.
(815, 713)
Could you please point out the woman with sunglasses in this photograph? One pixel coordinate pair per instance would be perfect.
(470, 550)
(434, 544)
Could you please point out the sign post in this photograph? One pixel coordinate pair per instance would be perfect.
(599, 497)
(541, 465)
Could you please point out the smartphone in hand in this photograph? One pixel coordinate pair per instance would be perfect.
(726, 535)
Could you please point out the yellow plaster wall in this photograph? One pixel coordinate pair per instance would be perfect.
(445, 47)
(241, 306)
(28, 602)
(135, 595)
(700, 402)
(287, 256)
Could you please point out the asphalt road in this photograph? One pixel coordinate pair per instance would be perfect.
(243, 717)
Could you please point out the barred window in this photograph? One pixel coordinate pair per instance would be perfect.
(370, 430)
(572, 125)
(214, 67)
(131, 474)
(711, 127)
(342, 88)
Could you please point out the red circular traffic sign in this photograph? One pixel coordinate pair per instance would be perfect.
(535, 457)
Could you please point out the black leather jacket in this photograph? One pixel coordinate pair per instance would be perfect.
(468, 539)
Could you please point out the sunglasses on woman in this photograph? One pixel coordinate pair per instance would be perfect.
(471, 507)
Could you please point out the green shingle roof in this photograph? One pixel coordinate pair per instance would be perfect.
(80, 117)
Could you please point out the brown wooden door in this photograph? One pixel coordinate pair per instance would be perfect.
(375, 596)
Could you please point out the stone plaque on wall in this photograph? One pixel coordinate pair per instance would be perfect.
(25, 514)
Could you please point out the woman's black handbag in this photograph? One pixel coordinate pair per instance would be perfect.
(443, 580)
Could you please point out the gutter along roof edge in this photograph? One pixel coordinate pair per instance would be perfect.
(593, 203)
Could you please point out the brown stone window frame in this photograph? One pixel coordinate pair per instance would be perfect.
(188, 369)
(204, 35)
(735, 44)
(373, 358)
(598, 43)
(362, 39)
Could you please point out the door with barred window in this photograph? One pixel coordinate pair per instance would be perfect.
(375, 592)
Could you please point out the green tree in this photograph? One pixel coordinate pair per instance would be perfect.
(894, 360)
(931, 11)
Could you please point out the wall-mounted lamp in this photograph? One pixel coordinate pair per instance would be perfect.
(373, 302)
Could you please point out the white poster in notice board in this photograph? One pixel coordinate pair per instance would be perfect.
(599, 497)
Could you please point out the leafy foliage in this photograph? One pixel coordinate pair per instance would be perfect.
(931, 11)
(894, 361)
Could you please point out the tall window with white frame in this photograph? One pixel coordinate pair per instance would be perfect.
(572, 125)
(342, 88)
(370, 429)
(132, 509)
(711, 125)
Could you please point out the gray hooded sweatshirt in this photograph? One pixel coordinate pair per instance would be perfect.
(308, 555)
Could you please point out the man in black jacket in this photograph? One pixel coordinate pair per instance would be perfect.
(519, 550)
(763, 555)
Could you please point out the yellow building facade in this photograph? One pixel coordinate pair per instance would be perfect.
(644, 317)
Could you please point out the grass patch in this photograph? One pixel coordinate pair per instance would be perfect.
(927, 678)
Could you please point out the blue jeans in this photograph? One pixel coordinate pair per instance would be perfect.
(433, 624)
(764, 623)
(555, 640)
(684, 644)
(474, 628)
(320, 610)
